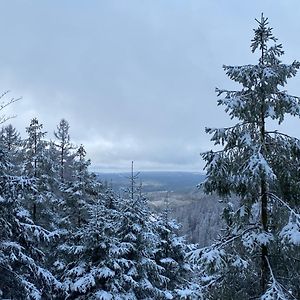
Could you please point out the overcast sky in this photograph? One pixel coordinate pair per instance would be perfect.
(135, 79)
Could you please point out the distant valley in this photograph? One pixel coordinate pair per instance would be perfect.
(199, 214)
(179, 182)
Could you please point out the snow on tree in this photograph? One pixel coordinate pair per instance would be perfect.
(150, 271)
(40, 165)
(34, 147)
(11, 143)
(119, 254)
(64, 146)
(10, 137)
(79, 190)
(74, 179)
(23, 272)
(142, 277)
(171, 253)
(93, 264)
(258, 254)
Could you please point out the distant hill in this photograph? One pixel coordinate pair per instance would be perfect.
(179, 182)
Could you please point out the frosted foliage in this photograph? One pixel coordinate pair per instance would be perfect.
(257, 164)
(185, 294)
(21, 255)
(259, 167)
(214, 257)
(291, 233)
(275, 292)
(77, 271)
(168, 295)
(264, 238)
(103, 295)
(105, 272)
(121, 253)
(209, 257)
(240, 263)
(255, 211)
(84, 283)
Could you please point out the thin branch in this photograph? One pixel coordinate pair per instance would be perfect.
(276, 283)
(4, 104)
(283, 134)
(232, 239)
(275, 197)
(213, 282)
(230, 127)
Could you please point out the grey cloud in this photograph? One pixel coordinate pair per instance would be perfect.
(135, 79)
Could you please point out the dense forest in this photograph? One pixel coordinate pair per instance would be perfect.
(64, 234)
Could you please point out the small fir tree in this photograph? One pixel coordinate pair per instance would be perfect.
(64, 146)
(11, 143)
(34, 148)
(171, 253)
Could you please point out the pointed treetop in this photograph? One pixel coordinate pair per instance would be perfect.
(262, 36)
(81, 152)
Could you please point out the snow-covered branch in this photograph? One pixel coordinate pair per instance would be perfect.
(292, 211)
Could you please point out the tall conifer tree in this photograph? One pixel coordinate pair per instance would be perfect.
(64, 146)
(260, 166)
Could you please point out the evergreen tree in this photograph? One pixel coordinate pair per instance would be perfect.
(34, 147)
(79, 191)
(115, 252)
(258, 255)
(143, 277)
(93, 264)
(23, 272)
(64, 146)
(11, 143)
(154, 252)
(171, 253)
(40, 165)
(10, 137)
(118, 253)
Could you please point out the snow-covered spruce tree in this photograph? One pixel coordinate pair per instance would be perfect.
(145, 275)
(119, 254)
(80, 189)
(115, 252)
(171, 253)
(11, 142)
(40, 166)
(10, 137)
(34, 147)
(69, 178)
(23, 274)
(64, 146)
(93, 267)
(258, 255)
(141, 277)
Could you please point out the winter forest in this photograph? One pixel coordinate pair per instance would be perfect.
(65, 234)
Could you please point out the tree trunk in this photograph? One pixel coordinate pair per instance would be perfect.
(264, 248)
(62, 163)
(264, 269)
(264, 205)
(34, 211)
